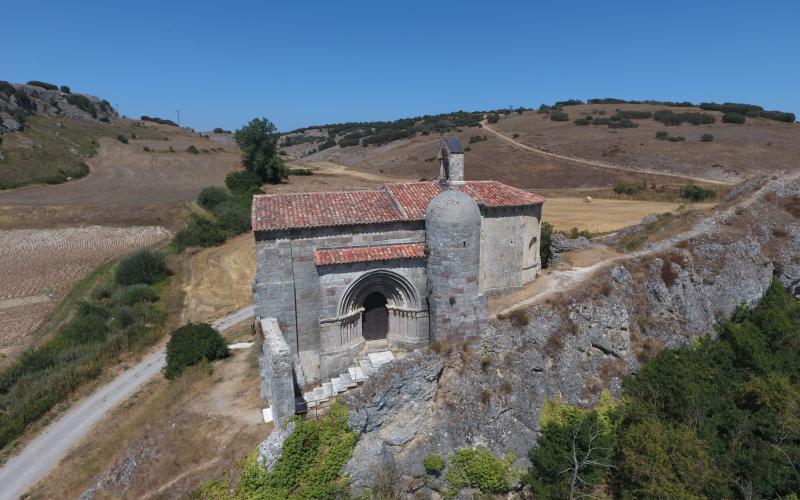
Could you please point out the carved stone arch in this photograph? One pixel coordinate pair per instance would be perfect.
(399, 292)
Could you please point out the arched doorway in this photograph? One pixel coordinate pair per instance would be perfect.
(375, 325)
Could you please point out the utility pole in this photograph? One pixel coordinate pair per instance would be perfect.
(179, 116)
(117, 106)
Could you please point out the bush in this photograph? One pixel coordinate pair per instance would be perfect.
(667, 117)
(676, 138)
(65, 89)
(545, 255)
(220, 130)
(697, 193)
(145, 266)
(243, 182)
(479, 468)
(192, 149)
(200, 232)
(434, 464)
(161, 121)
(581, 122)
(134, 294)
(190, 344)
(121, 138)
(492, 117)
(733, 117)
(662, 135)
(301, 171)
(477, 138)
(44, 85)
(82, 102)
(622, 123)
(707, 138)
(559, 116)
(233, 217)
(624, 187)
(601, 121)
(568, 102)
(212, 196)
(633, 115)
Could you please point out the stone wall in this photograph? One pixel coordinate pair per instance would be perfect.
(509, 247)
(287, 283)
(277, 382)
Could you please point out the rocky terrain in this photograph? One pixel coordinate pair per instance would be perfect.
(18, 101)
(574, 343)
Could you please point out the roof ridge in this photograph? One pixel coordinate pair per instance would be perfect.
(395, 201)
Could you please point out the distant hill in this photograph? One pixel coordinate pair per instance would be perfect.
(720, 142)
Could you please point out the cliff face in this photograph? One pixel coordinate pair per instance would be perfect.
(578, 342)
(17, 100)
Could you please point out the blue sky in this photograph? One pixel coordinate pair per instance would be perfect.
(300, 63)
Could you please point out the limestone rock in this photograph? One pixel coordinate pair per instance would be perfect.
(561, 243)
(269, 451)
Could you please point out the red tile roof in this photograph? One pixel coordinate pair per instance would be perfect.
(349, 255)
(393, 202)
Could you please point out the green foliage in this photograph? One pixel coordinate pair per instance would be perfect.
(121, 138)
(568, 102)
(134, 294)
(545, 254)
(301, 171)
(192, 149)
(82, 102)
(479, 468)
(676, 138)
(310, 464)
(559, 116)
(212, 196)
(161, 121)
(662, 135)
(434, 464)
(190, 344)
(220, 130)
(622, 123)
(233, 217)
(632, 115)
(669, 117)
(65, 89)
(258, 141)
(601, 121)
(577, 233)
(243, 182)
(697, 193)
(733, 117)
(200, 232)
(6, 88)
(749, 110)
(707, 138)
(625, 187)
(492, 117)
(144, 266)
(477, 138)
(44, 85)
(581, 122)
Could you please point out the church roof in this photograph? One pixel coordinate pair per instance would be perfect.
(331, 256)
(391, 203)
(453, 144)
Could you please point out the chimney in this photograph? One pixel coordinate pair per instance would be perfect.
(451, 161)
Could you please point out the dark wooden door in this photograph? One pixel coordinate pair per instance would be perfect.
(376, 317)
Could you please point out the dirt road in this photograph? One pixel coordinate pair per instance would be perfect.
(594, 163)
(48, 448)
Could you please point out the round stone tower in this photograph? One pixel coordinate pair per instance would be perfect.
(453, 230)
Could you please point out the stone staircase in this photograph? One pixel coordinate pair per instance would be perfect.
(364, 367)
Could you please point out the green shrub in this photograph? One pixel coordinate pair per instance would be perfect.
(134, 294)
(698, 118)
(434, 464)
(601, 121)
(161, 121)
(697, 193)
(559, 116)
(145, 266)
(624, 187)
(667, 117)
(581, 122)
(492, 118)
(192, 149)
(233, 217)
(212, 196)
(44, 85)
(243, 182)
(479, 468)
(477, 138)
(633, 115)
(301, 171)
(220, 130)
(622, 123)
(65, 89)
(676, 138)
(707, 138)
(662, 135)
(733, 117)
(82, 102)
(568, 102)
(545, 254)
(515, 136)
(121, 138)
(190, 344)
(200, 232)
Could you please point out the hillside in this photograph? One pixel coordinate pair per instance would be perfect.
(762, 144)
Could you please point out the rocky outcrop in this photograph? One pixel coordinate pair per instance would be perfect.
(269, 451)
(559, 243)
(572, 346)
(18, 101)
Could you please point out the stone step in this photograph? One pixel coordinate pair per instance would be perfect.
(338, 385)
(328, 388)
(346, 380)
(379, 359)
(377, 346)
(356, 374)
(366, 367)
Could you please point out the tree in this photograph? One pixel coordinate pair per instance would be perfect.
(258, 141)
(545, 254)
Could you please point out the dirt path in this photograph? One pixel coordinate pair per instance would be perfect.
(558, 281)
(45, 451)
(595, 163)
(330, 168)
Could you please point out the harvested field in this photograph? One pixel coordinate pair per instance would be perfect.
(38, 268)
(602, 216)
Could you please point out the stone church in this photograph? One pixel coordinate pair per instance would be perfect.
(404, 264)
